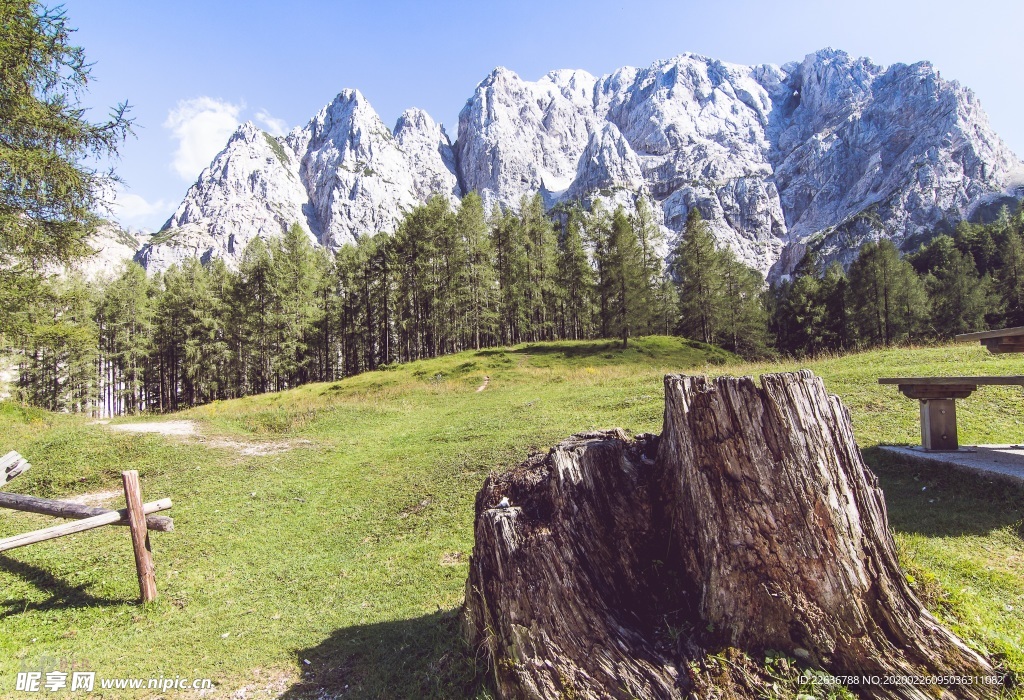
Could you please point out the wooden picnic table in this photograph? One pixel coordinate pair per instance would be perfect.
(997, 341)
(938, 394)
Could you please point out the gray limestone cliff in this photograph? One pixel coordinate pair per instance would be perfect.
(825, 153)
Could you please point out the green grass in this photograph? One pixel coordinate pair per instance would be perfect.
(350, 551)
(277, 148)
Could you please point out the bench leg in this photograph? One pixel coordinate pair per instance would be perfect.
(938, 425)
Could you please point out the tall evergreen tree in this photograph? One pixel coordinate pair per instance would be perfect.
(256, 301)
(598, 227)
(889, 303)
(1011, 278)
(666, 306)
(190, 325)
(539, 292)
(59, 345)
(629, 300)
(798, 315)
(698, 270)
(124, 318)
(959, 297)
(743, 322)
(296, 278)
(510, 267)
(49, 187)
(834, 293)
(651, 240)
(575, 278)
(481, 312)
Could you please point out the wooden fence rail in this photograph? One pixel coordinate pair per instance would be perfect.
(12, 464)
(50, 533)
(73, 511)
(137, 516)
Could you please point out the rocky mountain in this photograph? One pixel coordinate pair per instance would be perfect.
(826, 153)
(111, 246)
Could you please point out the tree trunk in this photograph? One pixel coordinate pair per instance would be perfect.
(756, 527)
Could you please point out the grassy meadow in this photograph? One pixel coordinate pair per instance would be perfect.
(322, 534)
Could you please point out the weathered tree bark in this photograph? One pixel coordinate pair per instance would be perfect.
(559, 577)
(756, 526)
(75, 511)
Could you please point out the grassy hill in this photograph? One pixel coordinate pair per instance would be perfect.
(322, 534)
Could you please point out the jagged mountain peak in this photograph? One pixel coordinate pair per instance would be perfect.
(247, 131)
(348, 114)
(415, 119)
(825, 152)
(428, 151)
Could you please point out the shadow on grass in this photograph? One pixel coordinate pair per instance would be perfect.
(933, 500)
(62, 595)
(423, 657)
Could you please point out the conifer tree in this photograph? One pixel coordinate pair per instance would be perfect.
(651, 240)
(743, 321)
(959, 297)
(598, 227)
(1011, 278)
(481, 314)
(255, 299)
(889, 303)
(575, 278)
(321, 333)
(798, 316)
(48, 185)
(539, 291)
(59, 344)
(382, 270)
(666, 306)
(697, 267)
(978, 241)
(628, 302)
(349, 324)
(370, 279)
(192, 339)
(834, 294)
(510, 268)
(124, 318)
(296, 278)
(450, 272)
(421, 292)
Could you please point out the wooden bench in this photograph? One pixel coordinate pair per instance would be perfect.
(12, 464)
(938, 408)
(998, 341)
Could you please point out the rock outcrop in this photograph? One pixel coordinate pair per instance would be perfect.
(824, 153)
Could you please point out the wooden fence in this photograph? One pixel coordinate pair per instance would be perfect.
(137, 516)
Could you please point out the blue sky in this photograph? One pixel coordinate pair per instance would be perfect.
(193, 70)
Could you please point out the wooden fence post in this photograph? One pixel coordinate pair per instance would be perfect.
(140, 536)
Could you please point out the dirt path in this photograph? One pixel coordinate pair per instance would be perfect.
(166, 427)
(487, 380)
(188, 429)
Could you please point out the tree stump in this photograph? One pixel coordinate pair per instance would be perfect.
(614, 566)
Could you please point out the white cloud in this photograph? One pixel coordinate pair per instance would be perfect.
(135, 211)
(273, 125)
(202, 126)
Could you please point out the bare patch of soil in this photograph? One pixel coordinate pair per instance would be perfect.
(254, 449)
(189, 429)
(452, 558)
(99, 498)
(166, 427)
